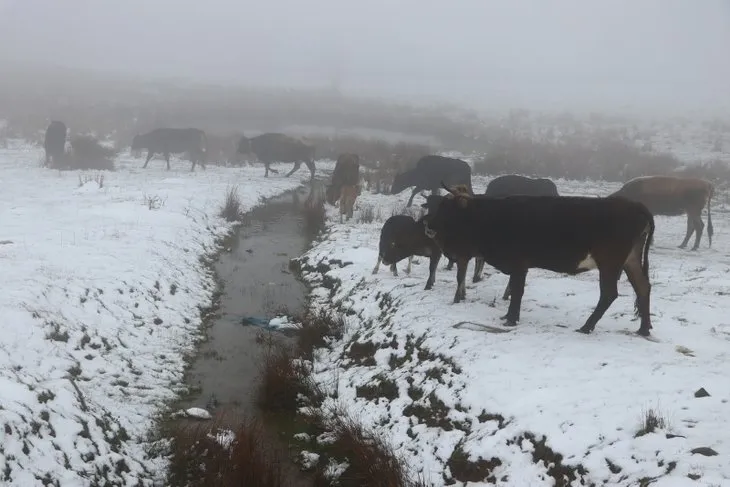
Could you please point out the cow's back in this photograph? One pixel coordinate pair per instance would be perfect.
(274, 147)
(532, 224)
(514, 184)
(433, 170)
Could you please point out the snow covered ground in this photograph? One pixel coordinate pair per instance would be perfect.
(103, 290)
(466, 399)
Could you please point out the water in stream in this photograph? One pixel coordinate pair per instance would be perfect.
(257, 283)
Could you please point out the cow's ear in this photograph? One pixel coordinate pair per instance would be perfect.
(463, 202)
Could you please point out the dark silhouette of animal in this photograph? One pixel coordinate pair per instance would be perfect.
(512, 185)
(568, 235)
(168, 141)
(430, 172)
(54, 142)
(401, 237)
(348, 196)
(275, 147)
(674, 196)
(345, 183)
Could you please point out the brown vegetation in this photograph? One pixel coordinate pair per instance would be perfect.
(200, 456)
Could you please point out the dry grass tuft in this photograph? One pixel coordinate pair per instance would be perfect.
(204, 455)
(232, 209)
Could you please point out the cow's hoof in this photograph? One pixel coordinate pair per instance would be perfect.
(476, 279)
(643, 332)
(584, 330)
(428, 287)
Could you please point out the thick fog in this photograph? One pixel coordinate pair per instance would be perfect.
(519, 53)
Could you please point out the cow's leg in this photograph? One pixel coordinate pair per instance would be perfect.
(690, 230)
(408, 268)
(642, 288)
(377, 264)
(699, 228)
(461, 265)
(432, 266)
(394, 269)
(450, 265)
(167, 158)
(608, 280)
(507, 292)
(478, 268)
(266, 165)
(150, 153)
(517, 285)
(294, 169)
(413, 195)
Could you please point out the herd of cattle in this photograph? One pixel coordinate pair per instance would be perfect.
(268, 148)
(521, 223)
(518, 223)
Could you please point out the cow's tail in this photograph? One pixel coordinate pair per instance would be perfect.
(645, 258)
(709, 215)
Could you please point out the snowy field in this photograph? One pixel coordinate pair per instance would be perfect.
(463, 398)
(103, 291)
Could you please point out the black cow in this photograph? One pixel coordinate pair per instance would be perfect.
(54, 143)
(512, 185)
(401, 237)
(430, 172)
(563, 234)
(275, 147)
(168, 141)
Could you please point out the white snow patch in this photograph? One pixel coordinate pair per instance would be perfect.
(100, 305)
(484, 390)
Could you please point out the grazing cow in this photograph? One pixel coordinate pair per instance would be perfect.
(569, 235)
(512, 185)
(345, 183)
(274, 147)
(168, 141)
(674, 196)
(54, 142)
(401, 237)
(430, 172)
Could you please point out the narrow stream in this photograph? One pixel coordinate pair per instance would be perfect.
(257, 283)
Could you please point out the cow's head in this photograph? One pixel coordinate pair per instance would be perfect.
(395, 242)
(244, 145)
(401, 182)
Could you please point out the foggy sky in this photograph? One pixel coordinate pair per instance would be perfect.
(475, 52)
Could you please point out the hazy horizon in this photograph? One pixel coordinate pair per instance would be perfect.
(664, 54)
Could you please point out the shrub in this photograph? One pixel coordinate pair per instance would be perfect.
(203, 455)
(232, 209)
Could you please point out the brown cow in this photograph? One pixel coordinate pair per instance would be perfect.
(674, 196)
(345, 185)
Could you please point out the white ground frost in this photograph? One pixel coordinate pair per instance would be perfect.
(469, 389)
(103, 291)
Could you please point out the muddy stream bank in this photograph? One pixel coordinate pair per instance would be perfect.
(257, 283)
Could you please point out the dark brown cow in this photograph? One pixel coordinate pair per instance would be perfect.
(401, 237)
(54, 142)
(569, 235)
(276, 147)
(512, 185)
(674, 196)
